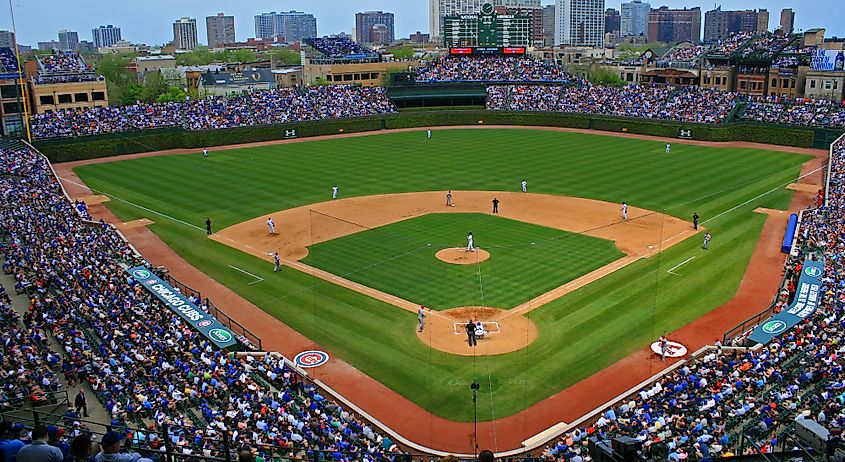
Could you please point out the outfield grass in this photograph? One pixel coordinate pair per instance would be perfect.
(399, 259)
(615, 315)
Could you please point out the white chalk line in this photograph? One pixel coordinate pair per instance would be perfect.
(259, 278)
(672, 269)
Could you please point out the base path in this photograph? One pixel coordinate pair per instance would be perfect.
(755, 293)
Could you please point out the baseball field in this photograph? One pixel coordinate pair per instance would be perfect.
(591, 286)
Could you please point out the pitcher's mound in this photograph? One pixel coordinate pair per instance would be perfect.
(505, 332)
(460, 256)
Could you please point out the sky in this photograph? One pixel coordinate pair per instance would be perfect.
(150, 21)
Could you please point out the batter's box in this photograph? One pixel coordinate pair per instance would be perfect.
(490, 327)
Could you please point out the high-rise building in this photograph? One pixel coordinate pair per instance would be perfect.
(787, 21)
(7, 39)
(634, 18)
(292, 25)
(105, 36)
(367, 32)
(419, 37)
(527, 4)
(670, 26)
(549, 25)
(579, 22)
(220, 30)
(534, 12)
(762, 20)
(68, 40)
(719, 24)
(612, 21)
(439, 9)
(185, 33)
(48, 46)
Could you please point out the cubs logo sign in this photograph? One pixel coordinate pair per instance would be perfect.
(673, 349)
(311, 358)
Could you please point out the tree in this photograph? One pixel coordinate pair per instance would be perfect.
(285, 56)
(154, 86)
(242, 56)
(129, 94)
(605, 77)
(402, 52)
(173, 94)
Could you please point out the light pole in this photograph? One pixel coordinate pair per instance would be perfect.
(475, 386)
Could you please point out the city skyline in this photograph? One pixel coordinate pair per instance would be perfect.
(153, 23)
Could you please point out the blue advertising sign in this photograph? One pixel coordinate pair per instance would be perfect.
(807, 297)
(827, 60)
(204, 323)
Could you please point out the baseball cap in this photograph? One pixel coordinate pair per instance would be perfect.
(111, 438)
(55, 432)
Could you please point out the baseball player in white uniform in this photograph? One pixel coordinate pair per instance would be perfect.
(470, 247)
(449, 202)
(668, 148)
(334, 192)
(624, 211)
(205, 153)
(420, 318)
(524, 186)
(271, 226)
(428, 133)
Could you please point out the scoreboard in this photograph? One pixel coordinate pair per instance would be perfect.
(487, 29)
(477, 51)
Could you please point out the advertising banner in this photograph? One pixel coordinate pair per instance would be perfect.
(203, 322)
(807, 297)
(827, 60)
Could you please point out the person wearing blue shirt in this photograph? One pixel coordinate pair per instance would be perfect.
(10, 443)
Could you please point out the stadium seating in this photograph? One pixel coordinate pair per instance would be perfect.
(257, 108)
(709, 406)
(490, 69)
(146, 366)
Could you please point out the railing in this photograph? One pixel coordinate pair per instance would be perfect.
(253, 340)
(183, 289)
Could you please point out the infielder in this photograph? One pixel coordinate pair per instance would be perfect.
(277, 262)
(449, 199)
(624, 211)
(668, 148)
(420, 318)
(271, 226)
(470, 247)
(428, 133)
(334, 192)
(524, 185)
(205, 153)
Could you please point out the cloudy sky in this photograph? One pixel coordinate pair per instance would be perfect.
(149, 21)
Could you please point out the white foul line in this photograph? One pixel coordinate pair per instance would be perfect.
(259, 279)
(679, 265)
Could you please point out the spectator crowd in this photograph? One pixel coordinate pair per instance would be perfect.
(728, 400)
(807, 112)
(490, 69)
(686, 104)
(338, 47)
(145, 364)
(8, 62)
(62, 62)
(282, 105)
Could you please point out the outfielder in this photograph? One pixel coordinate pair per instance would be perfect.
(420, 318)
(470, 247)
(271, 226)
(707, 238)
(334, 192)
(668, 148)
(428, 133)
(524, 185)
(624, 211)
(205, 153)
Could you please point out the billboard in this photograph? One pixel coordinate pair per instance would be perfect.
(827, 60)
(808, 295)
(487, 50)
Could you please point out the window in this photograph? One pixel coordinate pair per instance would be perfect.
(98, 96)
(9, 91)
(356, 77)
(742, 84)
(12, 108)
(46, 99)
(347, 77)
(835, 84)
(80, 97)
(65, 99)
(774, 82)
(828, 85)
(374, 75)
(812, 84)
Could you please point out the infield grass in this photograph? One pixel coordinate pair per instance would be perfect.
(579, 334)
(400, 259)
